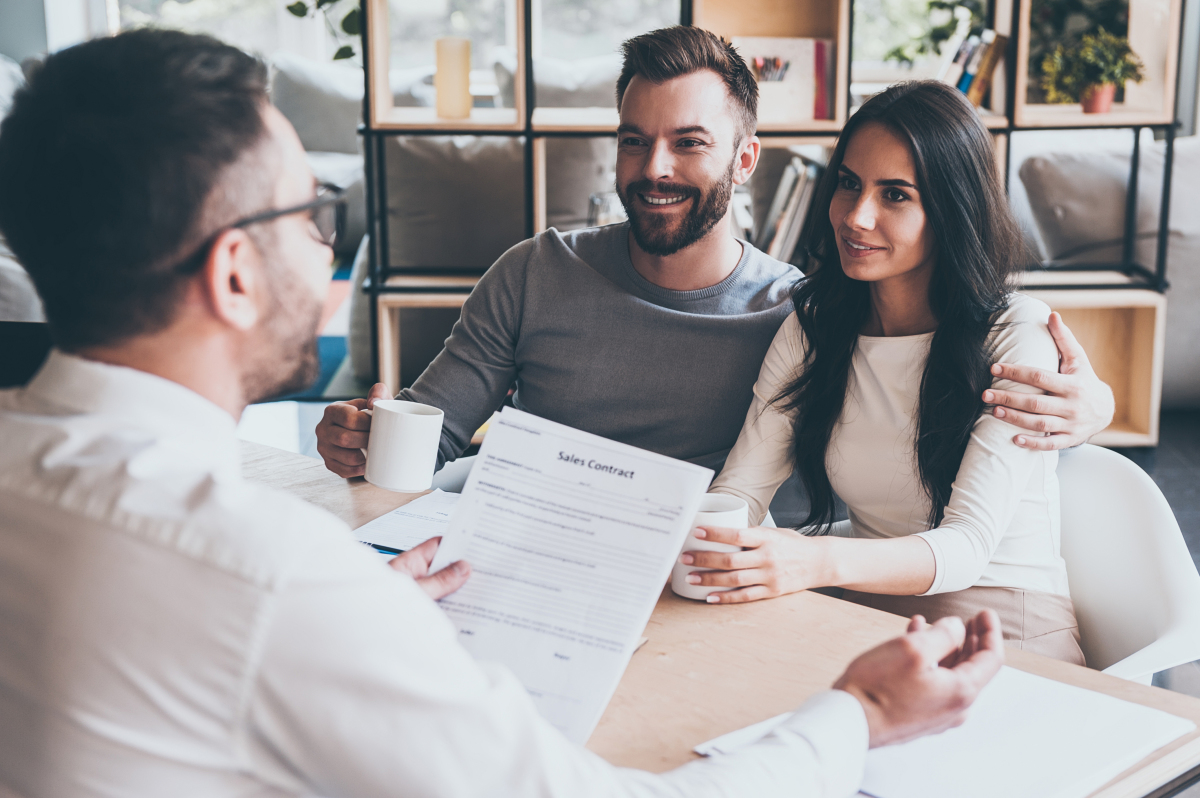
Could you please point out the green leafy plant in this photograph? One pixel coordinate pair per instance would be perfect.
(350, 25)
(937, 35)
(1099, 58)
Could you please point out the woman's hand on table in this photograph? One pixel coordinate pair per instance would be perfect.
(774, 562)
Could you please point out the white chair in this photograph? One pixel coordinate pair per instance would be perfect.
(1135, 588)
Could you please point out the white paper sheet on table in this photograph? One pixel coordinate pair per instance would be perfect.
(414, 523)
(1025, 736)
(570, 538)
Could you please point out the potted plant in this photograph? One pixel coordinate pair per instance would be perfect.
(1090, 72)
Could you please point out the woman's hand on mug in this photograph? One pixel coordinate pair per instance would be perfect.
(343, 431)
(773, 562)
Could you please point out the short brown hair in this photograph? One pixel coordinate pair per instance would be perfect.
(666, 53)
(109, 159)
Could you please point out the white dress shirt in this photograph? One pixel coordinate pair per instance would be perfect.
(1001, 525)
(170, 629)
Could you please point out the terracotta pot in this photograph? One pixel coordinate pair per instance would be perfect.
(1098, 99)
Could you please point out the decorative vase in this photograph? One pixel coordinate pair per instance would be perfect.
(1098, 98)
(452, 80)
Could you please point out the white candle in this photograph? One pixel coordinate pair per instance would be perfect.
(453, 77)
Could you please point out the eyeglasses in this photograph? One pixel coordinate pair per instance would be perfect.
(327, 212)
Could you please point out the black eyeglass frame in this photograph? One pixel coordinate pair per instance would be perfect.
(327, 194)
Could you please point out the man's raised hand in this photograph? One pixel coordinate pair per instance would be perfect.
(924, 682)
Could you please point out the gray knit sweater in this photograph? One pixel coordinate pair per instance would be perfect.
(589, 342)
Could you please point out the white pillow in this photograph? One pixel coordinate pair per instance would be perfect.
(19, 300)
(11, 79)
(583, 83)
(323, 101)
(1079, 199)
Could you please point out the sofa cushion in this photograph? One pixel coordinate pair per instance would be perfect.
(454, 202)
(583, 83)
(323, 101)
(11, 79)
(19, 300)
(440, 186)
(1078, 202)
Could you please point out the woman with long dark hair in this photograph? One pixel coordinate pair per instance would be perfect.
(875, 390)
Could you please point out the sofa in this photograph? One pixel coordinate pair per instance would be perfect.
(18, 299)
(1076, 200)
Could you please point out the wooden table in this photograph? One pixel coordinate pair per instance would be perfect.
(707, 670)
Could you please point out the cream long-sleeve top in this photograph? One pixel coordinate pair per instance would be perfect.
(1001, 526)
(172, 630)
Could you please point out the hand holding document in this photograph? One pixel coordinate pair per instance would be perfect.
(570, 537)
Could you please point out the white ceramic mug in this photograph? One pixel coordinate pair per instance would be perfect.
(716, 509)
(402, 449)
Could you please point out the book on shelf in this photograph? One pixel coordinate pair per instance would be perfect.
(796, 76)
(952, 72)
(987, 66)
(824, 79)
(972, 68)
(789, 209)
(974, 63)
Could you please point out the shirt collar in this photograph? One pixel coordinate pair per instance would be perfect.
(139, 400)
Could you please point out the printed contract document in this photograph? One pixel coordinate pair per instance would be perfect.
(571, 538)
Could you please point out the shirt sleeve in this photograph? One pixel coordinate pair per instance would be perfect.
(361, 689)
(470, 377)
(762, 457)
(995, 472)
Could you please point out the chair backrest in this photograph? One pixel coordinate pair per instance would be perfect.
(1132, 579)
(23, 348)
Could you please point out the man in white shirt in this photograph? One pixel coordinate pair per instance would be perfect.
(170, 629)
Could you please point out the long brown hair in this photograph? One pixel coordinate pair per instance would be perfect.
(978, 246)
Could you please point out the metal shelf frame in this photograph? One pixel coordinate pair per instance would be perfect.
(375, 167)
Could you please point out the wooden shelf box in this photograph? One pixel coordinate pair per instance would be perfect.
(386, 116)
(1123, 332)
(409, 293)
(817, 19)
(1153, 36)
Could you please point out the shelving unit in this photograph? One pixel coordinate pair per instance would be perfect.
(394, 291)
(1116, 310)
(1151, 102)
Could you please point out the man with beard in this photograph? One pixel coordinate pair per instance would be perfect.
(652, 332)
(170, 629)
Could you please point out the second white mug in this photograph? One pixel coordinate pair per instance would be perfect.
(716, 509)
(402, 448)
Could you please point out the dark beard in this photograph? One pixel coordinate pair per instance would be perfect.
(289, 359)
(656, 236)
(301, 371)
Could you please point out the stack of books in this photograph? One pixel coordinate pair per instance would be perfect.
(789, 210)
(970, 62)
(796, 77)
